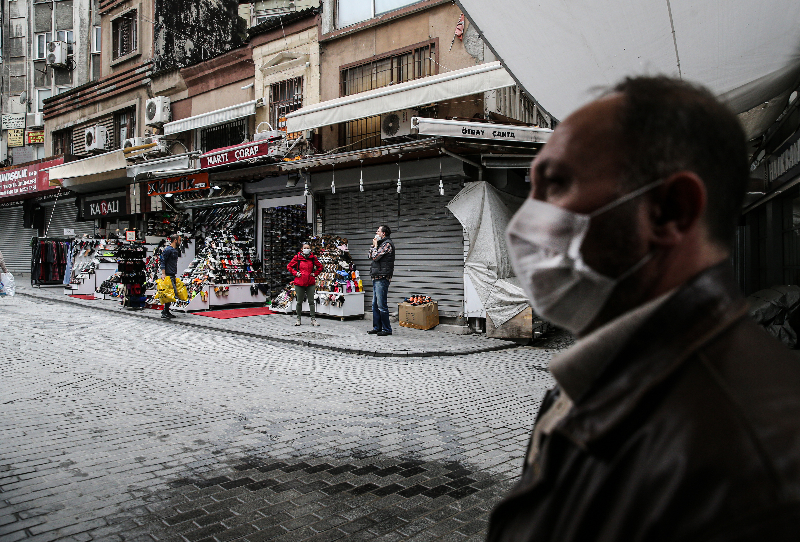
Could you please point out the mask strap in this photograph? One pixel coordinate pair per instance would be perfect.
(638, 265)
(627, 197)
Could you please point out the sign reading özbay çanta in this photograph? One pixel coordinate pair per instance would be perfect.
(172, 185)
(236, 153)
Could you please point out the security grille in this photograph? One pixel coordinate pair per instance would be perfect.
(285, 97)
(223, 135)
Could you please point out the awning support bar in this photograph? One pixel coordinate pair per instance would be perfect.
(466, 161)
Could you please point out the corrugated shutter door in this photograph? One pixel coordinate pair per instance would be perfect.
(428, 239)
(63, 215)
(15, 241)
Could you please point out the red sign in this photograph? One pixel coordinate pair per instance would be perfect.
(26, 179)
(172, 185)
(236, 153)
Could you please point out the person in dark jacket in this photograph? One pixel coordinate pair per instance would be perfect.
(305, 267)
(674, 416)
(169, 268)
(381, 270)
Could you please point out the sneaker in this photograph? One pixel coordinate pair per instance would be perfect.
(314, 322)
(374, 331)
(297, 323)
(170, 315)
(165, 315)
(384, 333)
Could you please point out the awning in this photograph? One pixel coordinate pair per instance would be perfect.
(745, 51)
(416, 93)
(101, 172)
(161, 168)
(220, 116)
(479, 130)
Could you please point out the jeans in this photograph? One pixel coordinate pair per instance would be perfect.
(380, 307)
(304, 292)
(174, 292)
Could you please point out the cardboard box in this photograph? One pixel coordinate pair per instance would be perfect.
(418, 316)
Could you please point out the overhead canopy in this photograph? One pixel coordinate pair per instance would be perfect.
(745, 51)
(220, 116)
(436, 88)
(104, 171)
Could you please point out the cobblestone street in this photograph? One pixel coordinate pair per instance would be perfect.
(118, 427)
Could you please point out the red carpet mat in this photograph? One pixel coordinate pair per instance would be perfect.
(236, 313)
(83, 296)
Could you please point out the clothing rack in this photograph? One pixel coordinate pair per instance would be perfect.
(49, 260)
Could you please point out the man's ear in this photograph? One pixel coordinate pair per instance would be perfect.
(676, 208)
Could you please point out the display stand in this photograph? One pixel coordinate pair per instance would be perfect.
(88, 285)
(353, 306)
(237, 294)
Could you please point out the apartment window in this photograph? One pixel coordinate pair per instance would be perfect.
(223, 135)
(354, 11)
(124, 32)
(59, 90)
(62, 142)
(285, 97)
(97, 41)
(41, 95)
(418, 61)
(40, 47)
(124, 126)
(66, 36)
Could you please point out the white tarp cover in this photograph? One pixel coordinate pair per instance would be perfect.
(485, 212)
(219, 116)
(745, 51)
(426, 90)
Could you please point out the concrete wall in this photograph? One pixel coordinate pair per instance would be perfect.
(144, 49)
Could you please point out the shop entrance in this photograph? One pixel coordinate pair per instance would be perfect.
(283, 230)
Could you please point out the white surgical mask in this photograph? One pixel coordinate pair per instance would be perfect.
(544, 243)
(306, 251)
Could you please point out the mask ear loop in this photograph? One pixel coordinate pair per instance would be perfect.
(627, 197)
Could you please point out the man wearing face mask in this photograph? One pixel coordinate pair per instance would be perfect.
(674, 416)
(381, 270)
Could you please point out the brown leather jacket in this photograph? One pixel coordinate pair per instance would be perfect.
(692, 432)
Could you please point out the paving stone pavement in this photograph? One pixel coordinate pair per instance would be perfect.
(120, 428)
(349, 336)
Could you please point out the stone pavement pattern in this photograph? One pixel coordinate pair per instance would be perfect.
(123, 428)
(348, 336)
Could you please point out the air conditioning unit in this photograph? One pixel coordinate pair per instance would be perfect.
(161, 147)
(133, 142)
(34, 120)
(396, 124)
(96, 138)
(57, 54)
(157, 111)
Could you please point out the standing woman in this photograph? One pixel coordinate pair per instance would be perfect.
(305, 267)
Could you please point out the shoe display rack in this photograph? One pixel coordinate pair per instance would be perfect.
(163, 223)
(284, 230)
(93, 262)
(131, 273)
(331, 304)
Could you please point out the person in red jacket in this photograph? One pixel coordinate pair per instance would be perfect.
(305, 267)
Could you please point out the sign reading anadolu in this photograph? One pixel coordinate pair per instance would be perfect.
(172, 185)
(237, 153)
(26, 179)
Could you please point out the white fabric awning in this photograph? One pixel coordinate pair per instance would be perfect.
(220, 116)
(436, 88)
(102, 163)
(745, 51)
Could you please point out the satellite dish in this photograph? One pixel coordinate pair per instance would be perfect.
(23, 97)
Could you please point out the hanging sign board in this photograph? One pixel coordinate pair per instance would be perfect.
(130, 235)
(112, 206)
(785, 162)
(172, 185)
(237, 153)
(15, 138)
(30, 178)
(479, 130)
(13, 121)
(35, 137)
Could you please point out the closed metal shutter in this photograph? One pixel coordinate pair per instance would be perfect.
(15, 241)
(63, 215)
(428, 239)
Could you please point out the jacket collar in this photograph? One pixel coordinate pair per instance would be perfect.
(700, 310)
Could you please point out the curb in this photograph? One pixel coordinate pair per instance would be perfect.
(283, 340)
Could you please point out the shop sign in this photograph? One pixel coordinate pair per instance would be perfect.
(15, 138)
(13, 121)
(786, 162)
(27, 179)
(172, 185)
(479, 130)
(239, 153)
(113, 206)
(35, 137)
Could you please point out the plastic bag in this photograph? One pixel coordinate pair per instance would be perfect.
(182, 293)
(165, 292)
(7, 286)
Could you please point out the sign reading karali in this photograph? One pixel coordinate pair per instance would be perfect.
(23, 180)
(110, 206)
(172, 185)
(237, 153)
